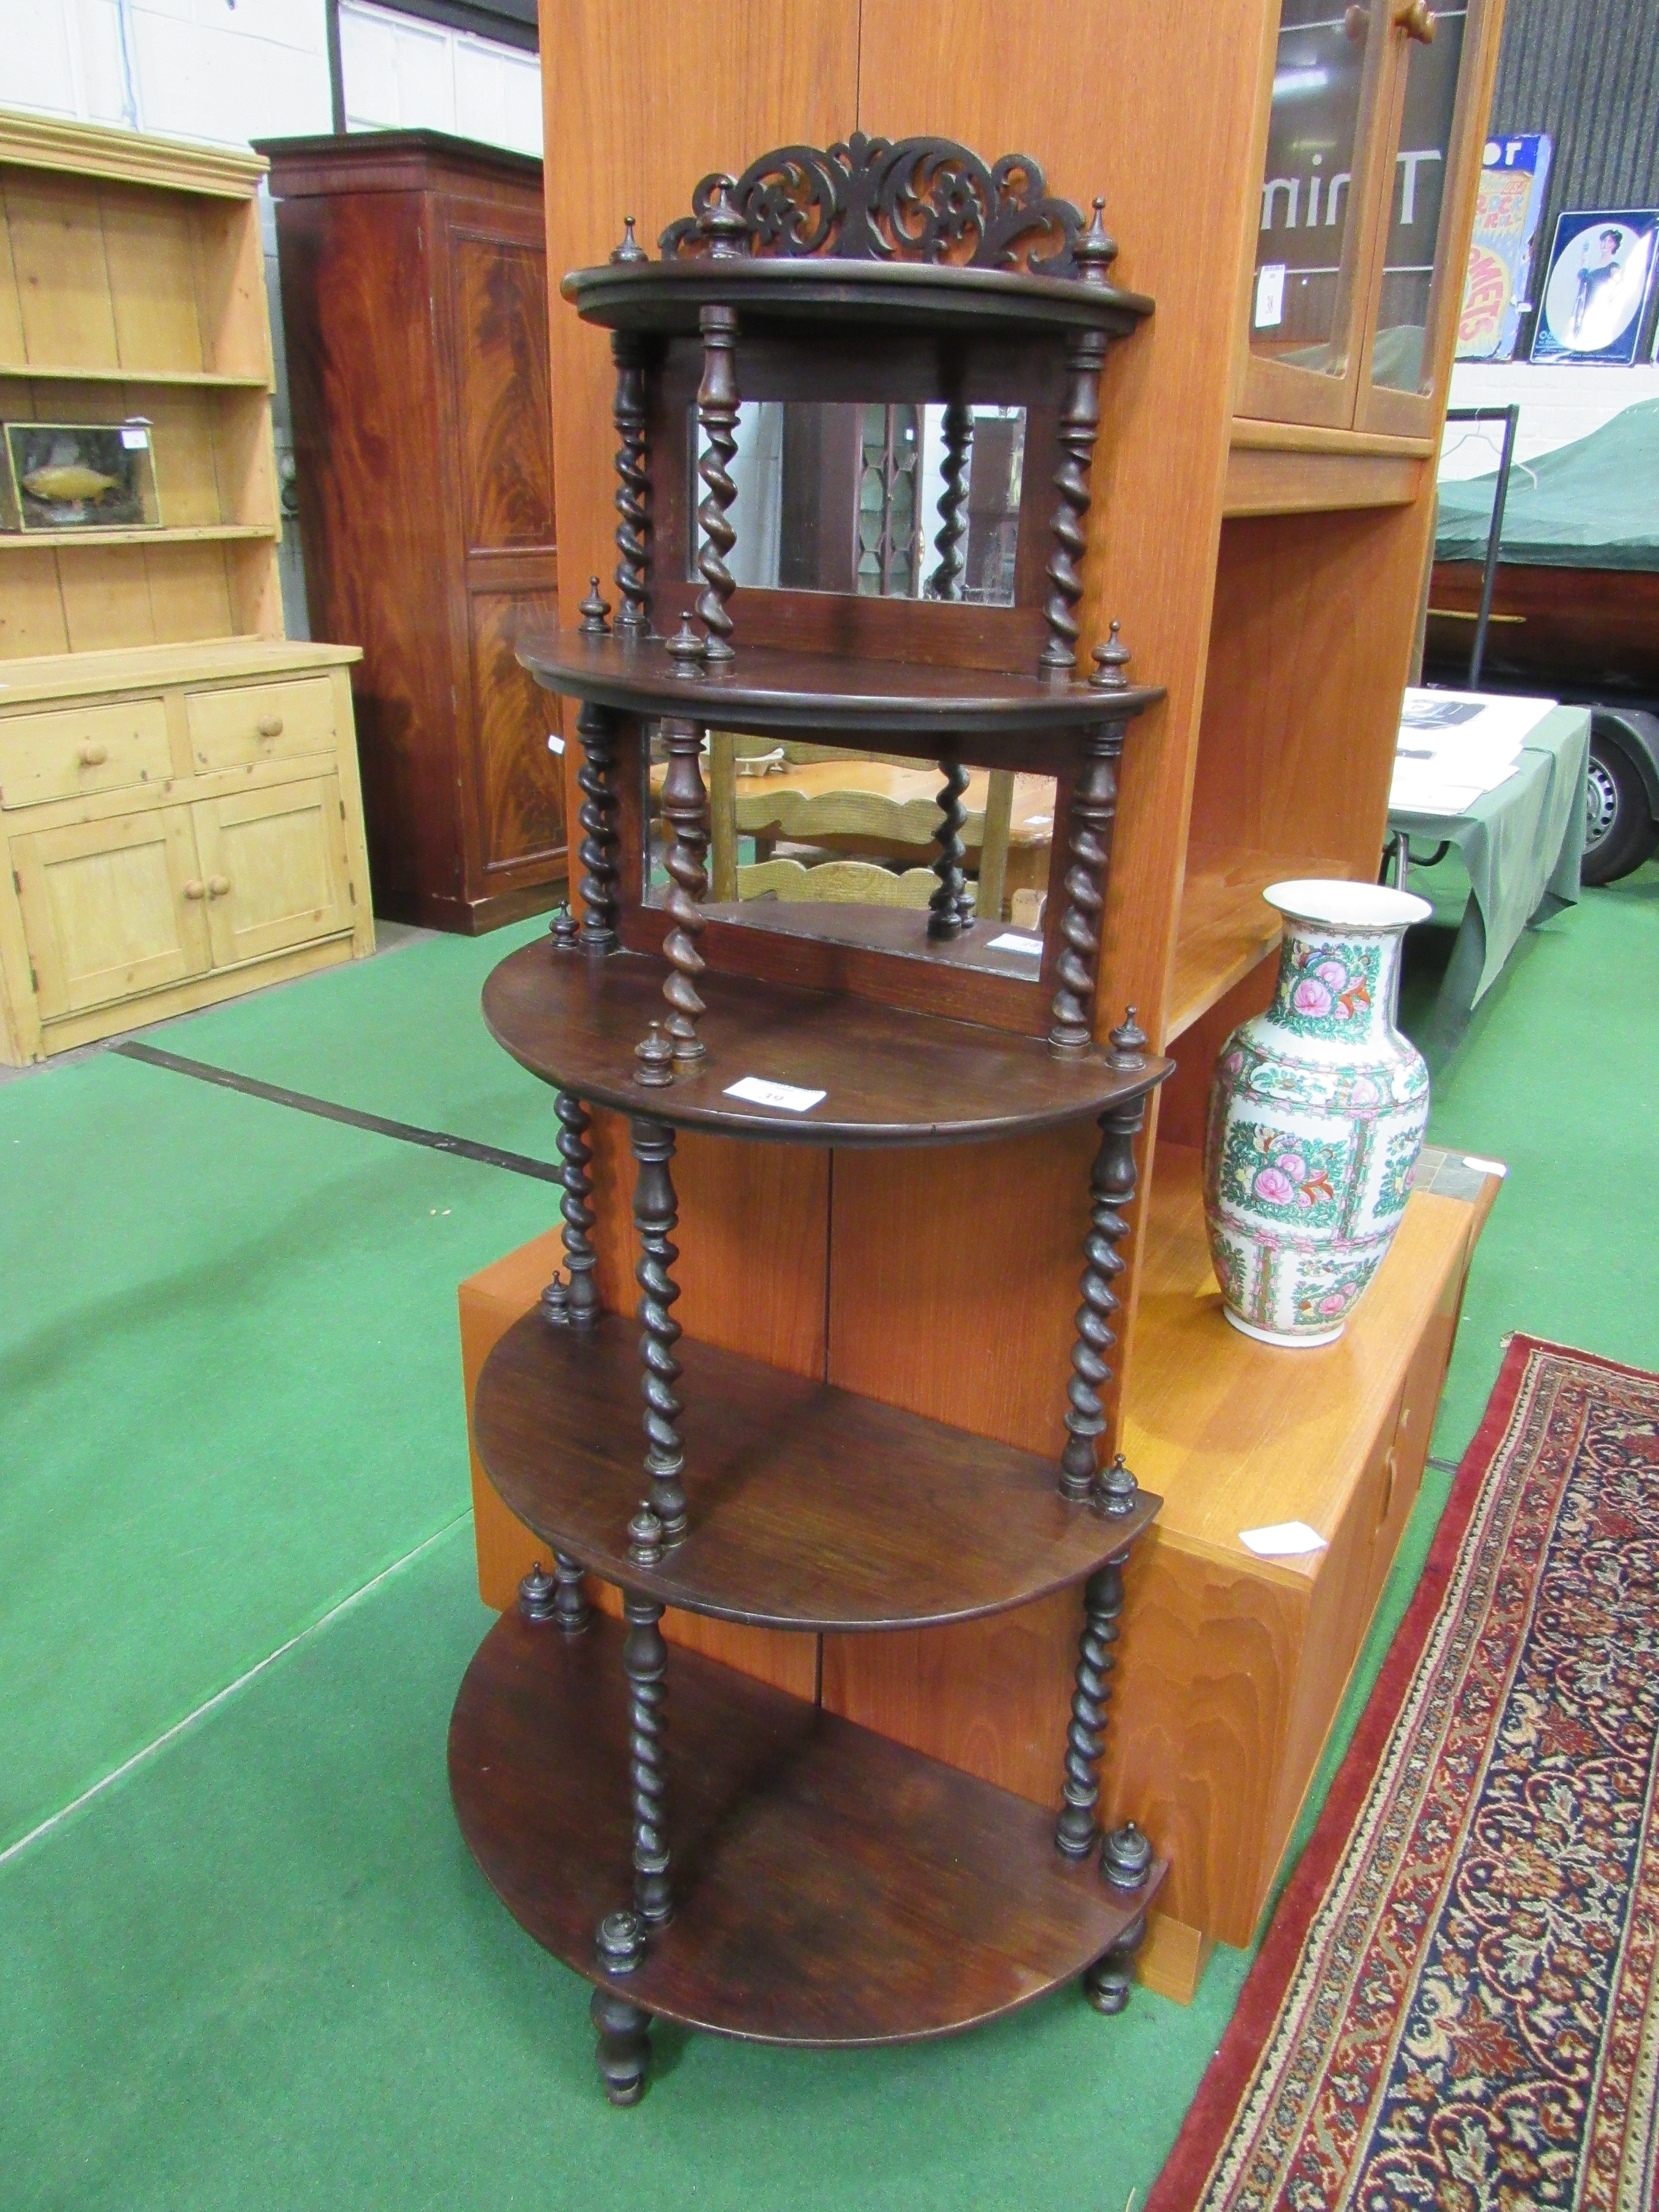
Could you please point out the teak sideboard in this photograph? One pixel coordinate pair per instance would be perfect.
(1265, 559)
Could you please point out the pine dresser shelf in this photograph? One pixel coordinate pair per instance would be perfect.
(833, 1887)
(889, 1077)
(810, 1507)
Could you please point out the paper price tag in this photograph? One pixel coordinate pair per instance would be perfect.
(555, 742)
(1015, 940)
(1270, 295)
(759, 1092)
(1285, 1539)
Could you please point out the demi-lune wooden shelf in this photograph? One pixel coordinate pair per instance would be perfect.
(831, 1888)
(888, 1077)
(668, 296)
(769, 692)
(810, 1507)
(193, 533)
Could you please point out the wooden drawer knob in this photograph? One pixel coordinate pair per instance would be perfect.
(269, 726)
(194, 889)
(91, 753)
(1416, 20)
(218, 886)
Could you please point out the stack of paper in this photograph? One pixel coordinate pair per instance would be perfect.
(1456, 745)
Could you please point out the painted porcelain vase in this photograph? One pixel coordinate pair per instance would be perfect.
(1316, 1118)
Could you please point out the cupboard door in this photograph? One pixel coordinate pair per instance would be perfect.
(1435, 142)
(111, 909)
(274, 865)
(1332, 85)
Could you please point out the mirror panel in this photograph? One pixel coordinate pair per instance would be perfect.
(906, 501)
(812, 840)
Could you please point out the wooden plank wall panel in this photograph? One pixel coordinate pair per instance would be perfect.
(12, 347)
(148, 246)
(63, 280)
(32, 617)
(997, 77)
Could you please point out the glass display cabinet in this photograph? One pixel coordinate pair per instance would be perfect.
(1370, 124)
(858, 561)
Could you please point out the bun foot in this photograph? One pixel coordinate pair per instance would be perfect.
(624, 2057)
(1107, 1983)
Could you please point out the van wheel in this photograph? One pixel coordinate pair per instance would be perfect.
(1619, 832)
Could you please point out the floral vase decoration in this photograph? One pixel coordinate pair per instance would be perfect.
(1316, 1118)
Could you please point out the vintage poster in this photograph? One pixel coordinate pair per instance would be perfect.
(1600, 273)
(1509, 202)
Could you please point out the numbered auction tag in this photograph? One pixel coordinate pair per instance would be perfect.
(759, 1092)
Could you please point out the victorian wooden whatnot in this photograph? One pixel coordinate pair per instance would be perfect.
(760, 1866)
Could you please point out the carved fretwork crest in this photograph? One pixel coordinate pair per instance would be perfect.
(882, 199)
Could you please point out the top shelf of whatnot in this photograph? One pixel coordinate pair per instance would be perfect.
(668, 296)
(771, 692)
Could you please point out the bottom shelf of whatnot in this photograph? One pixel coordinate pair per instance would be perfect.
(829, 1886)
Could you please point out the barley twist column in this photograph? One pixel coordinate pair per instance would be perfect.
(655, 1213)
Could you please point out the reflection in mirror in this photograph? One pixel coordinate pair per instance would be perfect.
(902, 501)
(816, 841)
(1426, 132)
(1313, 138)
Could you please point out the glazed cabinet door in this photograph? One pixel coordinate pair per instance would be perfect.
(1328, 112)
(1437, 135)
(274, 868)
(111, 909)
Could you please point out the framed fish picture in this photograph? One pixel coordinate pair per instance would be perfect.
(79, 475)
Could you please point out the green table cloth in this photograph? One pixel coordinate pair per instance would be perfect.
(1522, 846)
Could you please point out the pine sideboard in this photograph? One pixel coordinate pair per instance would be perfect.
(181, 822)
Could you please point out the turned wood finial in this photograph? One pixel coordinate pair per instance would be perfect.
(630, 250)
(722, 225)
(1126, 1857)
(655, 1054)
(688, 650)
(1116, 1492)
(1128, 1041)
(1110, 660)
(564, 928)
(1095, 251)
(645, 1536)
(594, 612)
(619, 1940)
(535, 1594)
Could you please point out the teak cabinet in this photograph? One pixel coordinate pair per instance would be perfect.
(179, 799)
(414, 310)
(1267, 575)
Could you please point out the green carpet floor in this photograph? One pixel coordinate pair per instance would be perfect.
(259, 1967)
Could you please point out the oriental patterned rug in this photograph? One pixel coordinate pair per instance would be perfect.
(1456, 2007)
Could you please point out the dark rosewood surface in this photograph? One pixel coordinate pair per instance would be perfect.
(773, 692)
(890, 1077)
(415, 300)
(808, 1507)
(831, 1888)
(667, 295)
